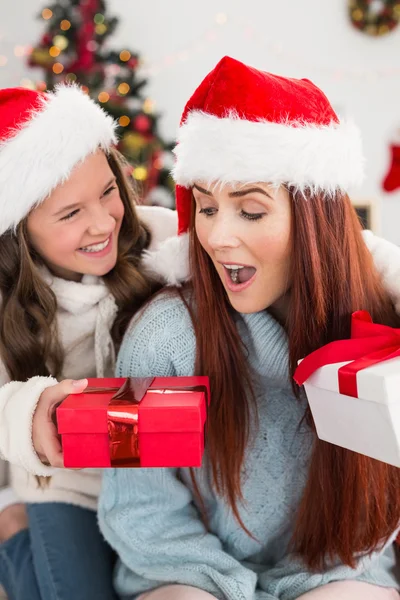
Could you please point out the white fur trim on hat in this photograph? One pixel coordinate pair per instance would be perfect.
(42, 153)
(231, 149)
(170, 260)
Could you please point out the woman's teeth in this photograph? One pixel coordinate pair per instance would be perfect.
(240, 273)
(234, 271)
(96, 247)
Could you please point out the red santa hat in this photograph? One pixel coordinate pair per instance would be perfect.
(244, 125)
(42, 137)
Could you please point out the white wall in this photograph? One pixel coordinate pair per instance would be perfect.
(181, 41)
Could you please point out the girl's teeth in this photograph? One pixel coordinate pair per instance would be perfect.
(96, 247)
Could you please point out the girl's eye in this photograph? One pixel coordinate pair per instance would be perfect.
(251, 216)
(110, 189)
(70, 215)
(208, 212)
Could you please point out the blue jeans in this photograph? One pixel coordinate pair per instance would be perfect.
(62, 556)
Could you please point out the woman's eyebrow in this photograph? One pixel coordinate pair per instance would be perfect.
(202, 190)
(253, 190)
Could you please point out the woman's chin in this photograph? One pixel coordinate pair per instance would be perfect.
(247, 305)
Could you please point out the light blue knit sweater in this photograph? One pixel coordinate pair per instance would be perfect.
(148, 515)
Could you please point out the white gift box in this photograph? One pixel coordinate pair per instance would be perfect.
(369, 424)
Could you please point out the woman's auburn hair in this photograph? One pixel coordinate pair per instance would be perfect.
(351, 503)
(29, 343)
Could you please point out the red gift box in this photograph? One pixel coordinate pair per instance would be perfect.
(135, 422)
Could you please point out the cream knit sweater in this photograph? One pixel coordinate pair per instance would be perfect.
(84, 318)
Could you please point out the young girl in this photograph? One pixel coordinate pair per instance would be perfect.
(278, 264)
(71, 275)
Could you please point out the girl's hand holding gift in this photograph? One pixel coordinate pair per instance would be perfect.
(45, 438)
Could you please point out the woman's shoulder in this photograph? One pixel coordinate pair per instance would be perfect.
(166, 311)
(162, 222)
(160, 339)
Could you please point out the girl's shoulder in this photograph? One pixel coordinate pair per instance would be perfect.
(162, 222)
(160, 339)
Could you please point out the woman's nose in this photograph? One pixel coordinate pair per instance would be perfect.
(223, 234)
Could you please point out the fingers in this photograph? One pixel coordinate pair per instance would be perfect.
(51, 447)
(66, 387)
(57, 393)
(78, 385)
(51, 443)
(45, 437)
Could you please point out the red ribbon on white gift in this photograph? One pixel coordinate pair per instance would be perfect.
(370, 343)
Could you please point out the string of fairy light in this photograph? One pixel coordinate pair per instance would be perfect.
(201, 44)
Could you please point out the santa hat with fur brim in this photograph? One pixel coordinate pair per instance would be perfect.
(243, 125)
(43, 136)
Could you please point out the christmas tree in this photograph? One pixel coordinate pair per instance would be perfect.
(74, 48)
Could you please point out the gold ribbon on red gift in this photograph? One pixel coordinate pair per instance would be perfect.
(123, 415)
(370, 343)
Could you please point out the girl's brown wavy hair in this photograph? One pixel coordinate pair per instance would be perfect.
(351, 503)
(29, 344)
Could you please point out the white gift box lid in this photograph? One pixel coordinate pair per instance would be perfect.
(378, 383)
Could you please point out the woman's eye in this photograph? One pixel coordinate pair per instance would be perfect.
(70, 215)
(207, 211)
(251, 216)
(110, 189)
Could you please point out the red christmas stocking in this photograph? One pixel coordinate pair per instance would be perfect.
(392, 178)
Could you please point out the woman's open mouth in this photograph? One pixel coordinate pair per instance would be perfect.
(238, 277)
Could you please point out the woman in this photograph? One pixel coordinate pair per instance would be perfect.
(278, 264)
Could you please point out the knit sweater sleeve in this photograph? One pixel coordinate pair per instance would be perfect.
(290, 578)
(148, 515)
